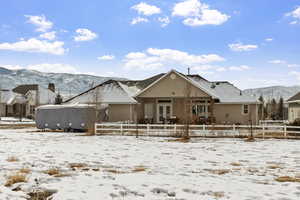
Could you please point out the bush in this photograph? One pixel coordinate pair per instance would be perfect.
(296, 122)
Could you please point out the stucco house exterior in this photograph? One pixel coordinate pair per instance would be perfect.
(294, 107)
(12, 104)
(163, 99)
(22, 100)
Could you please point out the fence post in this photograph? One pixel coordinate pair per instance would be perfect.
(263, 130)
(204, 130)
(95, 128)
(148, 127)
(285, 133)
(175, 130)
(121, 129)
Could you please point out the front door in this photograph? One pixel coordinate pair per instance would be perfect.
(164, 112)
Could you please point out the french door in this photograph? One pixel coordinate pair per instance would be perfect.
(164, 112)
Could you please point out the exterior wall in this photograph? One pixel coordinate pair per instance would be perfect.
(121, 112)
(173, 86)
(294, 111)
(233, 114)
(177, 108)
(2, 110)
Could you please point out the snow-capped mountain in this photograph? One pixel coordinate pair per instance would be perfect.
(66, 84)
(72, 84)
(274, 92)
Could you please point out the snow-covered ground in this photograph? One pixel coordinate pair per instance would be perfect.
(129, 168)
(13, 120)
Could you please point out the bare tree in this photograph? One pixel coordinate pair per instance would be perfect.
(187, 110)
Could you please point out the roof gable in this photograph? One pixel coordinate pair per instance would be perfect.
(296, 97)
(166, 87)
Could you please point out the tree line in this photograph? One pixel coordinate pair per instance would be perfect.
(272, 109)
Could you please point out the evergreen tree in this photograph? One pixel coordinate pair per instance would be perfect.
(280, 109)
(261, 109)
(273, 109)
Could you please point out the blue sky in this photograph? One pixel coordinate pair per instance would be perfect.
(250, 43)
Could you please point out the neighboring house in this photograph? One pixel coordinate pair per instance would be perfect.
(36, 95)
(12, 104)
(163, 98)
(294, 107)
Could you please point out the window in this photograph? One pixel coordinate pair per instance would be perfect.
(32, 109)
(245, 109)
(149, 110)
(199, 110)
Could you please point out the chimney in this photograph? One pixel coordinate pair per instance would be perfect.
(189, 71)
(51, 87)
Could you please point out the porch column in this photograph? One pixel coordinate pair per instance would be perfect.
(212, 102)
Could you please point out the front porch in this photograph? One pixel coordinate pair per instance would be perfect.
(176, 110)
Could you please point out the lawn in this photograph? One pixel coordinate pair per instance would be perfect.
(71, 166)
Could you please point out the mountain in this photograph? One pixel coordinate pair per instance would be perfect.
(72, 84)
(274, 92)
(66, 84)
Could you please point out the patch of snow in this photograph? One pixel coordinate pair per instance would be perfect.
(172, 170)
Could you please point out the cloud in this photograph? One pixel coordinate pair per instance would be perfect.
(164, 21)
(35, 45)
(138, 20)
(213, 68)
(196, 13)
(239, 68)
(277, 62)
(106, 57)
(154, 58)
(242, 47)
(146, 9)
(295, 14)
(49, 35)
(40, 22)
(84, 34)
(283, 62)
(293, 65)
(269, 39)
(296, 74)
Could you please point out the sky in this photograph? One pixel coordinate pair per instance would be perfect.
(249, 43)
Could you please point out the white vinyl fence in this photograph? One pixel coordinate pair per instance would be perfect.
(195, 130)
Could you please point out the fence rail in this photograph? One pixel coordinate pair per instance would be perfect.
(197, 130)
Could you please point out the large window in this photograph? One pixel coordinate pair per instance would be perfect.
(149, 110)
(199, 110)
(245, 110)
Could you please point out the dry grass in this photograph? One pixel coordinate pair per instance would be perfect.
(219, 171)
(287, 179)
(250, 139)
(12, 159)
(55, 172)
(183, 140)
(52, 172)
(15, 178)
(274, 167)
(90, 132)
(25, 171)
(236, 164)
(77, 165)
(115, 171)
(41, 195)
(139, 169)
(218, 195)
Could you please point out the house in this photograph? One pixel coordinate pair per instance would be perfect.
(22, 100)
(164, 98)
(294, 107)
(11, 104)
